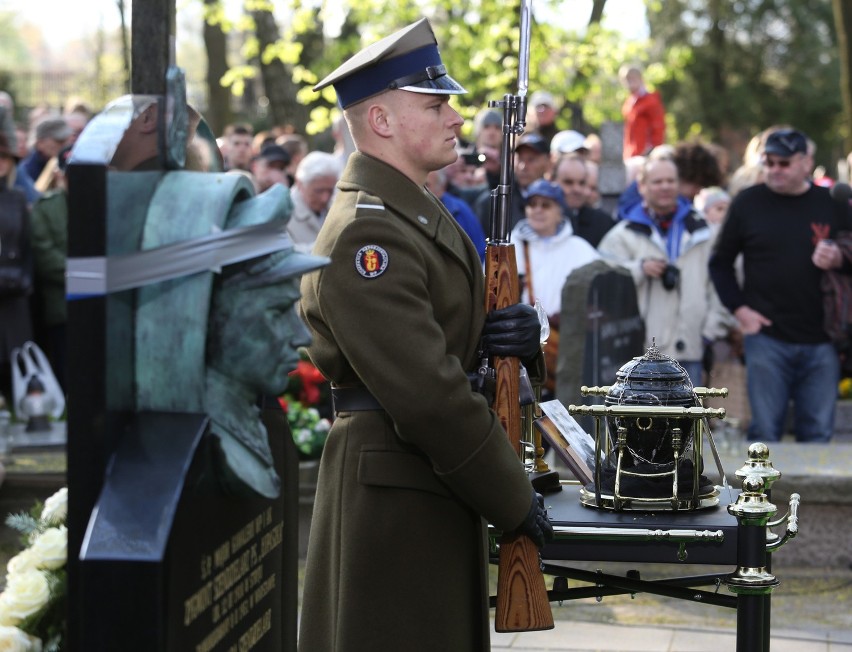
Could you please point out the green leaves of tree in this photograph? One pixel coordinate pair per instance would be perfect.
(725, 69)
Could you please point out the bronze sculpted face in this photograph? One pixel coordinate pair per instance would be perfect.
(253, 338)
(254, 335)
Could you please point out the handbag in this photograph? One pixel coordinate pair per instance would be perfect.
(551, 346)
(837, 306)
(28, 362)
(15, 281)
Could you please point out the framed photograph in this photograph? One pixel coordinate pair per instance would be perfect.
(582, 442)
(574, 459)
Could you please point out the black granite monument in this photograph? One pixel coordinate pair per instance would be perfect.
(600, 328)
(183, 515)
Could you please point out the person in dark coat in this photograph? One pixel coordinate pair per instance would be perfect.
(49, 221)
(415, 460)
(15, 267)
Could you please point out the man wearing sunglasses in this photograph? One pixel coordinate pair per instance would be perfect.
(784, 229)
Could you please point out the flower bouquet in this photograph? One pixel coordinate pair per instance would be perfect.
(307, 385)
(32, 606)
(306, 401)
(308, 428)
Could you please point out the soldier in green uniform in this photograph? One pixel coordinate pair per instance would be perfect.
(415, 459)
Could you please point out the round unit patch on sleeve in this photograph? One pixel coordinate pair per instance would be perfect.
(371, 261)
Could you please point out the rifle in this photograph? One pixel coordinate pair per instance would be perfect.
(522, 603)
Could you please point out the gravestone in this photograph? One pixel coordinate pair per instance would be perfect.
(183, 478)
(600, 328)
(611, 177)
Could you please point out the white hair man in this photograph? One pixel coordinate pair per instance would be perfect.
(316, 178)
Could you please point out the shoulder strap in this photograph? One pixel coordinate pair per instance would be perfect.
(368, 204)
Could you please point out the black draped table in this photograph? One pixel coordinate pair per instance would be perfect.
(710, 536)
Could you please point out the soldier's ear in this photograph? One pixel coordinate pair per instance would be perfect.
(378, 118)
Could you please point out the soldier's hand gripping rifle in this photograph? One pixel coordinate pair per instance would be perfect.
(522, 603)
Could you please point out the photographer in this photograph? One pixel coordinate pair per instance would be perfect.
(465, 175)
(665, 243)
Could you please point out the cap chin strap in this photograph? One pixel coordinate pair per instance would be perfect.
(428, 74)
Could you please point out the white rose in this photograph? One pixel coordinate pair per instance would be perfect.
(50, 548)
(56, 507)
(22, 562)
(13, 639)
(25, 594)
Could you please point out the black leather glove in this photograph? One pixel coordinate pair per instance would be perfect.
(513, 331)
(536, 525)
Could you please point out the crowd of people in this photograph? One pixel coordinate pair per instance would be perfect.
(33, 230)
(713, 293)
(671, 216)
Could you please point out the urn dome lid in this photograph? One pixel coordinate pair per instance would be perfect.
(653, 366)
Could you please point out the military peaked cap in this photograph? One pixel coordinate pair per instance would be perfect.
(407, 60)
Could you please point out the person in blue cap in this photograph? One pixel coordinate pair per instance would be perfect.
(416, 460)
(547, 251)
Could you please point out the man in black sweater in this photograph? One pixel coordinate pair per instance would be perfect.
(784, 230)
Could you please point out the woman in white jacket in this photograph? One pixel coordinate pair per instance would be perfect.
(545, 241)
(547, 252)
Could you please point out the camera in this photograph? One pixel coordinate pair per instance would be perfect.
(670, 277)
(472, 157)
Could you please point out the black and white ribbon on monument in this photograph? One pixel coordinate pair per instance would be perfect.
(100, 275)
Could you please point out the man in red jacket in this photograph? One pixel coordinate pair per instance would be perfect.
(644, 115)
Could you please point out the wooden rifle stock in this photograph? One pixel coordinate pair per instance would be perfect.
(522, 602)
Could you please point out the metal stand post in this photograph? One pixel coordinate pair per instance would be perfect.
(752, 582)
(758, 463)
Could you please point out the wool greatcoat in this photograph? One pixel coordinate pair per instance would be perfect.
(396, 558)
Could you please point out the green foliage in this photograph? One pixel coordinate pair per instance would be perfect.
(13, 49)
(750, 64)
(27, 524)
(236, 78)
(722, 67)
(479, 45)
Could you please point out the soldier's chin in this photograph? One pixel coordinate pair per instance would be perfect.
(451, 157)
